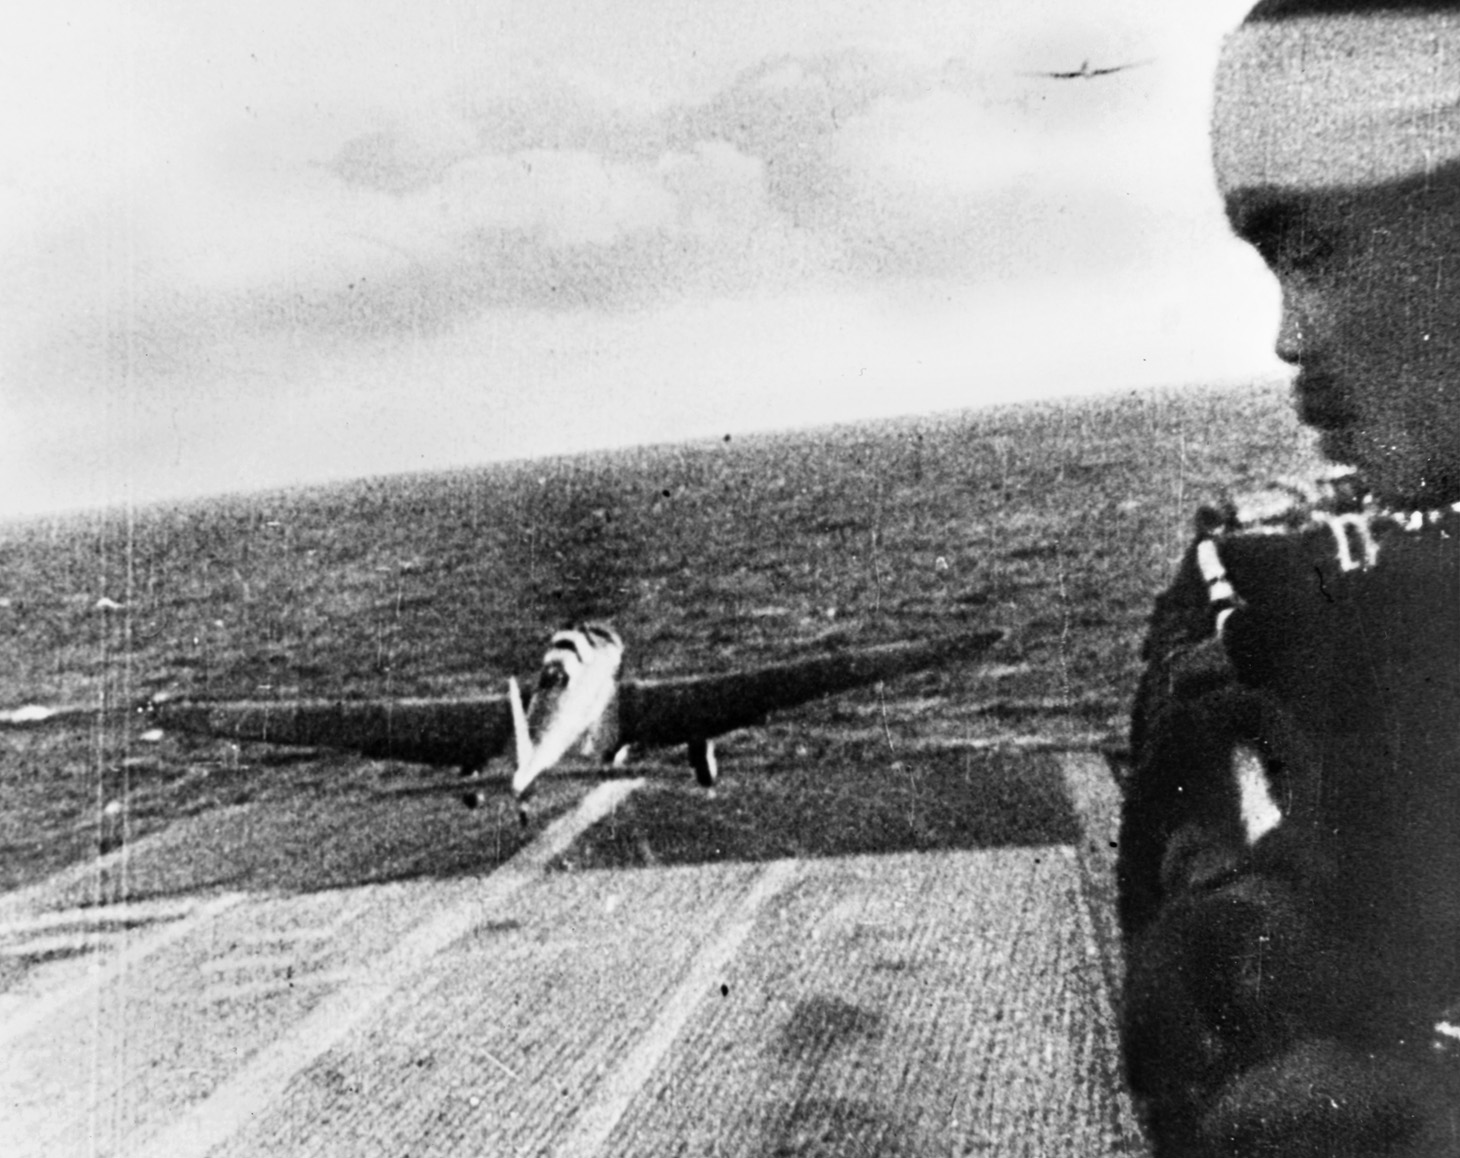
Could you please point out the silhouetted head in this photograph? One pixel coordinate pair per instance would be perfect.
(1336, 141)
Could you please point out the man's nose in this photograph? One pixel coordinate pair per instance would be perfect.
(1289, 345)
(1295, 330)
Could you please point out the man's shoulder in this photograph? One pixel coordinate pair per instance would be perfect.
(1332, 525)
(1262, 547)
(1292, 554)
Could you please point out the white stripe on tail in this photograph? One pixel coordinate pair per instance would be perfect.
(520, 730)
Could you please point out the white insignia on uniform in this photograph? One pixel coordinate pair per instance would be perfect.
(1260, 813)
(1340, 526)
(1220, 592)
(1219, 588)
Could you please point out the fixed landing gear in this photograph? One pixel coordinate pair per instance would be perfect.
(702, 760)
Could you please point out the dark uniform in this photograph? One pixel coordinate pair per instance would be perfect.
(1289, 867)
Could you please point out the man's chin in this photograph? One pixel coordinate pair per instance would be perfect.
(1339, 445)
(1392, 480)
(1342, 446)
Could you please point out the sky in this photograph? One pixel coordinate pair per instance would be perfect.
(260, 244)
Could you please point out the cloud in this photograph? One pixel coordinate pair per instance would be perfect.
(543, 229)
(852, 168)
(562, 198)
(850, 164)
(788, 112)
(239, 233)
(223, 270)
(938, 143)
(391, 161)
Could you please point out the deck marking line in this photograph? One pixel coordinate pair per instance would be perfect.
(30, 1014)
(266, 987)
(35, 896)
(1096, 799)
(595, 1123)
(263, 1079)
(131, 913)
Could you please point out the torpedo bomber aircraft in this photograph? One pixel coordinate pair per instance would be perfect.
(579, 707)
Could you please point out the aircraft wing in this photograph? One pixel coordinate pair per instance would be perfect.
(469, 731)
(697, 708)
(466, 732)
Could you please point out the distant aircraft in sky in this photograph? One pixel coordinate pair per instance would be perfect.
(1085, 72)
(579, 706)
